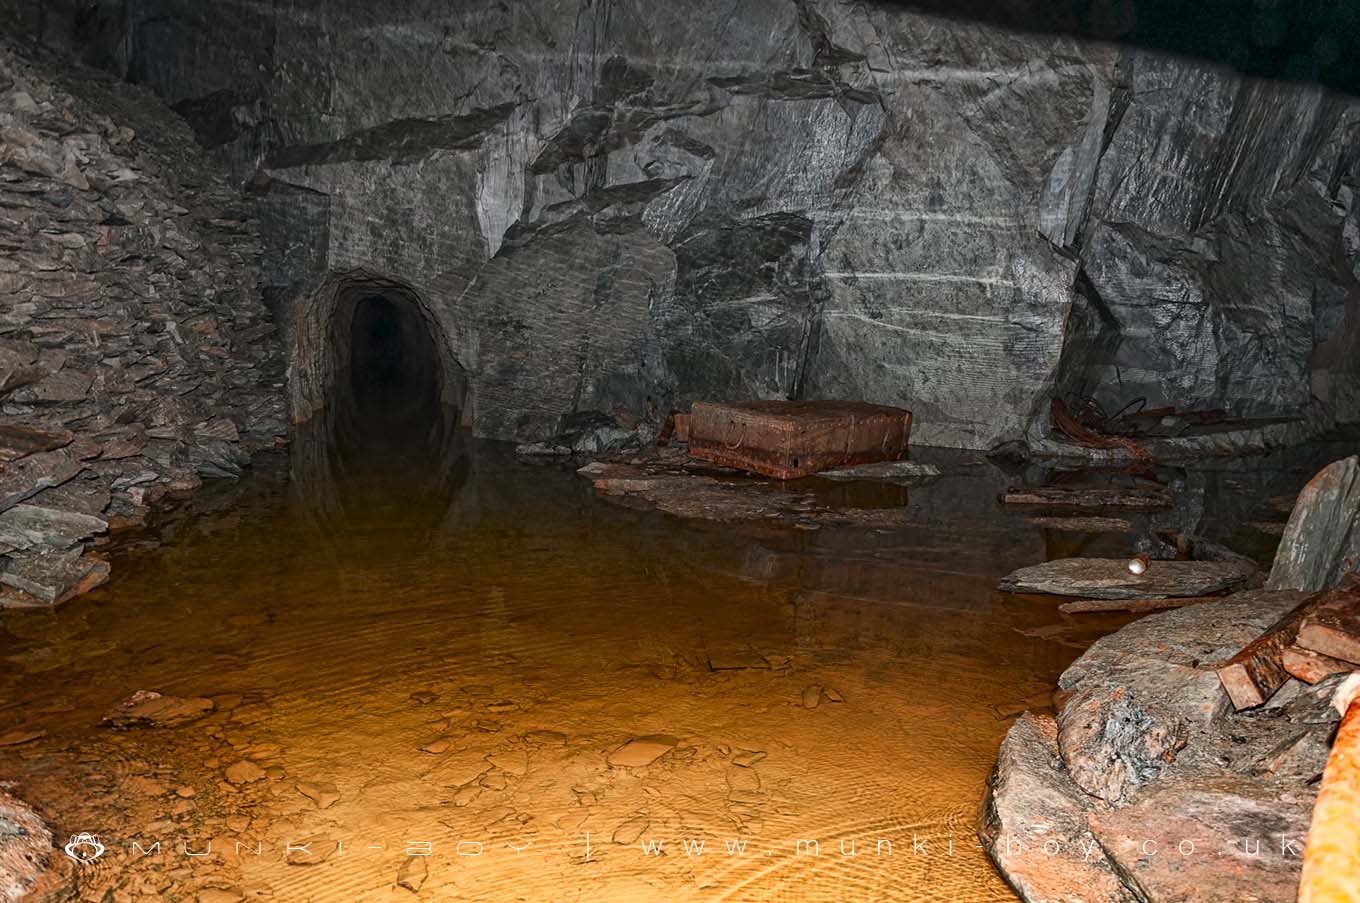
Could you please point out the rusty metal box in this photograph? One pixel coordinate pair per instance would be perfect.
(791, 439)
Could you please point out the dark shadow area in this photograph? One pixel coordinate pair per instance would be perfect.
(394, 372)
(1297, 40)
(1309, 40)
(387, 439)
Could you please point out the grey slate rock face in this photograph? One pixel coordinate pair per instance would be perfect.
(1321, 542)
(643, 205)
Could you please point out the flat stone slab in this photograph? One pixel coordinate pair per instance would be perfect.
(900, 472)
(32, 526)
(147, 708)
(642, 751)
(685, 490)
(1110, 578)
(1228, 839)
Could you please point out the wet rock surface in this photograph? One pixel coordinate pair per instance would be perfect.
(136, 358)
(25, 847)
(1183, 797)
(1110, 578)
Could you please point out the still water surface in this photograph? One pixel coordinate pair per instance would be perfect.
(442, 657)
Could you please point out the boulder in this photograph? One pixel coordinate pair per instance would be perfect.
(1147, 695)
(1321, 542)
(1183, 798)
(1033, 822)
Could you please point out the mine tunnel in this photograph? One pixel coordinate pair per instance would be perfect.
(391, 402)
(394, 373)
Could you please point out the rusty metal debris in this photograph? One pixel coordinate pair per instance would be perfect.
(1331, 858)
(791, 439)
(1084, 435)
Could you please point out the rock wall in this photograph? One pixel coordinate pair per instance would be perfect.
(623, 207)
(135, 354)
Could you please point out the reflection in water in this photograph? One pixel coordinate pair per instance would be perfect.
(384, 442)
(458, 664)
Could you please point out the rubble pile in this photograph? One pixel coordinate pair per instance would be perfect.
(1184, 759)
(136, 357)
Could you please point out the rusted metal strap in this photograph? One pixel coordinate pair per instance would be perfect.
(1331, 858)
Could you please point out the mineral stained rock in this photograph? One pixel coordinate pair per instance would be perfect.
(1321, 542)
(1034, 822)
(25, 847)
(1182, 798)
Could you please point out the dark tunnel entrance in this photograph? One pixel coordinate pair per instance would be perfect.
(377, 397)
(394, 373)
(393, 403)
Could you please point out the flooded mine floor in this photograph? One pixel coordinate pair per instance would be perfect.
(456, 665)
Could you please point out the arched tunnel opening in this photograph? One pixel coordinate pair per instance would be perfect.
(377, 390)
(394, 390)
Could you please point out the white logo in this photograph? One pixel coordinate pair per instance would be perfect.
(84, 848)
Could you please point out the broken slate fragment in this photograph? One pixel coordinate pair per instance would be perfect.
(322, 794)
(54, 577)
(30, 475)
(412, 874)
(30, 526)
(21, 441)
(642, 751)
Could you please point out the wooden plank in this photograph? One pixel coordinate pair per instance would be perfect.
(1333, 628)
(1331, 855)
(1052, 496)
(1254, 674)
(1136, 606)
(1311, 667)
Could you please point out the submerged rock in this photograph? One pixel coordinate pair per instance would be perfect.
(147, 708)
(642, 751)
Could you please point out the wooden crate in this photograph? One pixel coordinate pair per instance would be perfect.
(791, 439)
